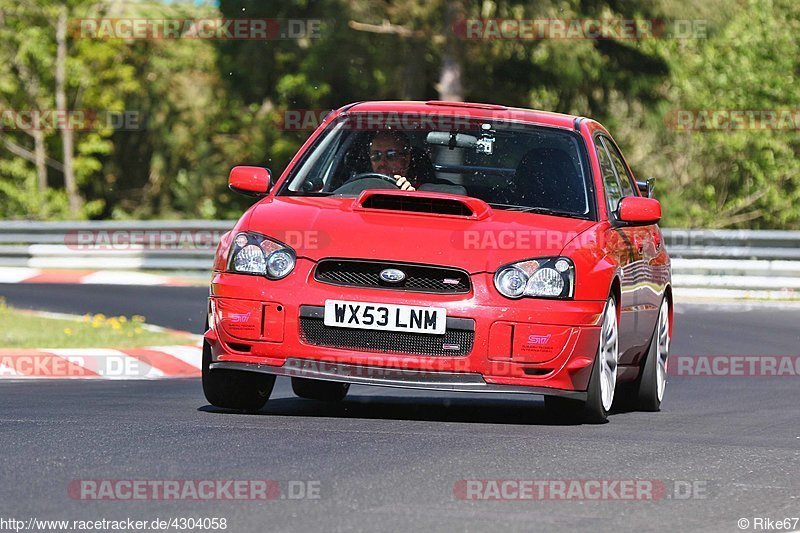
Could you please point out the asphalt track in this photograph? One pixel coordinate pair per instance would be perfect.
(388, 460)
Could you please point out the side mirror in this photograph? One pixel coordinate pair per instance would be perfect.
(639, 211)
(251, 181)
(647, 188)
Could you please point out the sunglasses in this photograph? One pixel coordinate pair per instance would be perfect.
(390, 155)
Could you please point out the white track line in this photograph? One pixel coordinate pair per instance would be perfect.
(191, 355)
(109, 364)
(7, 371)
(16, 275)
(108, 277)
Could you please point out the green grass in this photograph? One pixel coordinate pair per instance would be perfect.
(26, 329)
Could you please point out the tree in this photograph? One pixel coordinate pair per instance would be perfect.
(67, 138)
(737, 177)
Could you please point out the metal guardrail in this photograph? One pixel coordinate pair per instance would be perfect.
(688, 243)
(703, 259)
(185, 245)
(730, 244)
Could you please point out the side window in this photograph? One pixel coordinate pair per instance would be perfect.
(610, 183)
(625, 179)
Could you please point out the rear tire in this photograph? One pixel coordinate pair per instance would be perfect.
(324, 391)
(649, 389)
(234, 389)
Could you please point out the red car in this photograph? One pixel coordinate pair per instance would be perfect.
(445, 246)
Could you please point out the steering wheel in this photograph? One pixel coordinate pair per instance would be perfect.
(374, 175)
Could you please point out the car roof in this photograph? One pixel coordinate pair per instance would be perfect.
(469, 109)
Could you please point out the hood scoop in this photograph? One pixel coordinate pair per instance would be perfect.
(419, 202)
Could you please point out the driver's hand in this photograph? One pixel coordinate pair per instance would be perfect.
(403, 183)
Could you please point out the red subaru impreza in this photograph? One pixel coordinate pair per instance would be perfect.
(444, 246)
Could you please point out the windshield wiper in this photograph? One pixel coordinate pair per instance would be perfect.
(538, 210)
(310, 193)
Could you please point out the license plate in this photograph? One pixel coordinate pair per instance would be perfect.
(385, 317)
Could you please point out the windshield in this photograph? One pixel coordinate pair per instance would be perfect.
(506, 164)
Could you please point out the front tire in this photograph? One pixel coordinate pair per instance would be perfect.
(234, 389)
(603, 380)
(315, 389)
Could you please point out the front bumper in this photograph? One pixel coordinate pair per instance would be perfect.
(529, 345)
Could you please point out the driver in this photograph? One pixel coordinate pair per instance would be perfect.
(390, 154)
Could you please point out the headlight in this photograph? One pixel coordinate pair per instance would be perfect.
(252, 253)
(250, 259)
(511, 282)
(548, 277)
(280, 263)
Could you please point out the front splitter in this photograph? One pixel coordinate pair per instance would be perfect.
(391, 377)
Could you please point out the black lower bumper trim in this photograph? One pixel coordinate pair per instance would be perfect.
(391, 377)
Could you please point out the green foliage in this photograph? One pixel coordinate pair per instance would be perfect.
(738, 177)
(203, 106)
(20, 199)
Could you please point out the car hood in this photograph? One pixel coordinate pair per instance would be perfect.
(320, 227)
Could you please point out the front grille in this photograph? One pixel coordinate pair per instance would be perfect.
(419, 278)
(456, 341)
